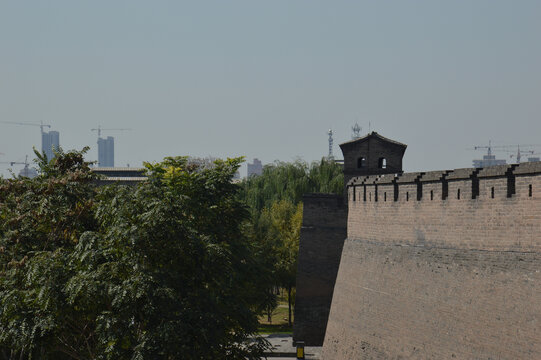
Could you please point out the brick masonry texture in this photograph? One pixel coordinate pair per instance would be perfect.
(372, 148)
(416, 302)
(322, 237)
(496, 223)
(431, 278)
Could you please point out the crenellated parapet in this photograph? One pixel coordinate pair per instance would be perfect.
(496, 208)
(462, 184)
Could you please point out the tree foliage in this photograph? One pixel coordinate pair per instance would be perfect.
(285, 220)
(41, 221)
(160, 271)
(275, 201)
(290, 181)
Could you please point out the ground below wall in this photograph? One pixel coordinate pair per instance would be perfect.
(400, 302)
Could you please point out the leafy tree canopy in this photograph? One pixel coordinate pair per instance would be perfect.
(158, 271)
(290, 181)
(274, 199)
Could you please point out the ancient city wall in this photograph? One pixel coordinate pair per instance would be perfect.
(440, 265)
(322, 237)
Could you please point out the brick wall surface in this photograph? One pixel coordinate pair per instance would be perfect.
(322, 237)
(372, 148)
(500, 223)
(441, 279)
(416, 302)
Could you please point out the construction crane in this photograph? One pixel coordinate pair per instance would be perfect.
(49, 140)
(11, 163)
(27, 171)
(504, 148)
(489, 147)
(518, 153)
(41, 124)
(99, 130)
(106, 148)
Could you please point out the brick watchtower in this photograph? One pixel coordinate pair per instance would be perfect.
(372, 154)
(324, 229)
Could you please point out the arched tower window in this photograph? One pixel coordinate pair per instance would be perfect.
(382, 163)
(361, 162)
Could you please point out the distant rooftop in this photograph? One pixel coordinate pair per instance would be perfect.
(104, 169)
(122, 175)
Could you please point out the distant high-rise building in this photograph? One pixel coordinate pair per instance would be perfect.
(488, 160)
(50, 140)
(106, 152)
(256, 168)
(28, 172)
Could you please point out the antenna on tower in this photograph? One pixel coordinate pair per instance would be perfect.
(330, 157)
(356, 131)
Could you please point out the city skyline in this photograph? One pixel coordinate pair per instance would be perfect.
(107, 157)
(268, 80)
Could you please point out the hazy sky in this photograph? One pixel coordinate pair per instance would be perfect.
(267, 79)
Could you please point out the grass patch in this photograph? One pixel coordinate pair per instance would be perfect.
(278, 323)
(265, 329)
(279, 316)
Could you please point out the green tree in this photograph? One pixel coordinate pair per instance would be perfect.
(160, 271)
(286, 221)
(275, 202)
(41, 221)
(291, 181)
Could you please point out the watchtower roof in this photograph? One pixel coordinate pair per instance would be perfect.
(373, 134)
